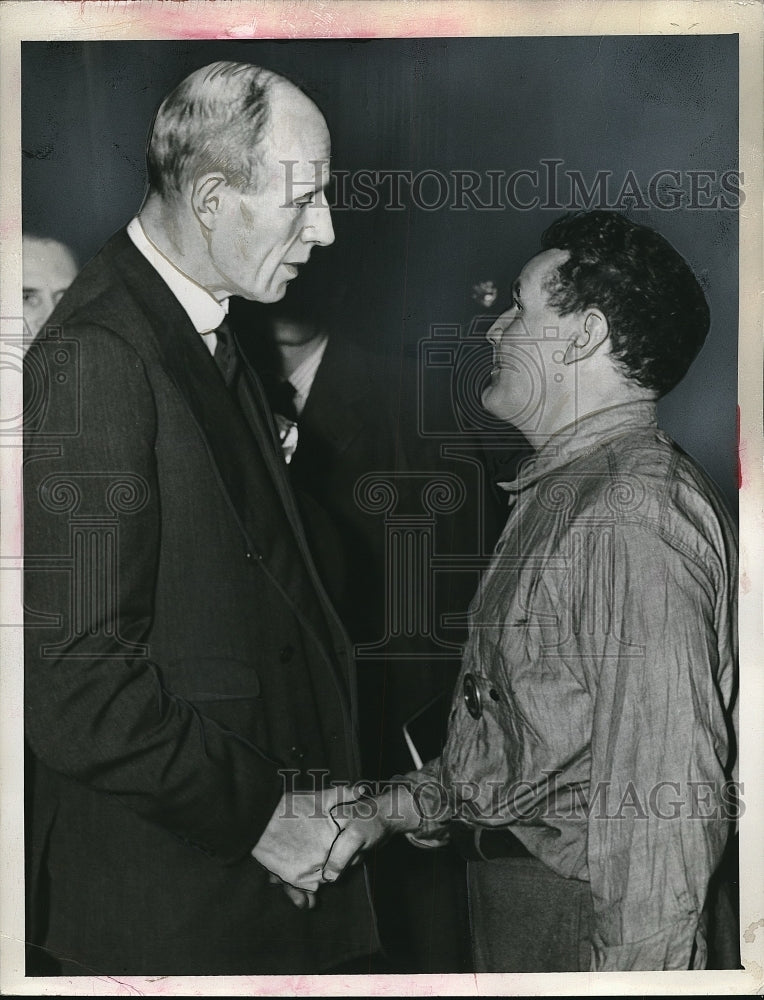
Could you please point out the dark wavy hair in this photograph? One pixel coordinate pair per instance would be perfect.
(656, 310)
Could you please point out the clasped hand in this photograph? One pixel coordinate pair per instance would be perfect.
(313, 837)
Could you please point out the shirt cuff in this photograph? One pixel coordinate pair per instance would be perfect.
(431, 802)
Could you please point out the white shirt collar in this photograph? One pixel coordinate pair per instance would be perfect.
(203, 309)
(304, 374)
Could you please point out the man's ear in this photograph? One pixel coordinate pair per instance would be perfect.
(592, 332)
(205, 198)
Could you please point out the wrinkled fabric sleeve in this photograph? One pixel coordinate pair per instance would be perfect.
(656, 827)
(432, 802)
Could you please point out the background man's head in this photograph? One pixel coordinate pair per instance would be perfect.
(48, 268)
(241, 156)
(657, 314)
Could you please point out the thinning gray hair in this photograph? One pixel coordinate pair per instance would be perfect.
(213, 121)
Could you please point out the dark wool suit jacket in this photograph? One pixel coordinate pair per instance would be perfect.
(360, 419)
(347, 429)
(180, 651)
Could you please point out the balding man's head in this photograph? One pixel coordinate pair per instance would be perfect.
(238, 161)
(213, 121)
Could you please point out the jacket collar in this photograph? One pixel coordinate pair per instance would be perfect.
(203, 309)
(583, 437)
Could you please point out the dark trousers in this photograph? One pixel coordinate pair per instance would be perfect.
(525, 918)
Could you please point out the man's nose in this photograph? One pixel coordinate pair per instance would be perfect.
(320, 229)
(493, 336)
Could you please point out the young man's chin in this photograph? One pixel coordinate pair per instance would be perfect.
(491, 403)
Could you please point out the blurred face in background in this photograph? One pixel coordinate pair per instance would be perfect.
(289, 331)
(48, 268)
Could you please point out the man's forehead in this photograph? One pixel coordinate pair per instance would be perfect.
(296, 122)
(42, 261)
(540, 267)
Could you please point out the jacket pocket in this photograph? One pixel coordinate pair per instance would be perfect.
(211, 679)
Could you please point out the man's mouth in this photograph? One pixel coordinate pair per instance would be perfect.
(503, 364)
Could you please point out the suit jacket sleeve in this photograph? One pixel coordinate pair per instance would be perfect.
(97, 712)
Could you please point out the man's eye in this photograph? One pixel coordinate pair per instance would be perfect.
(305, 200)
(517, 304)
(31, 297)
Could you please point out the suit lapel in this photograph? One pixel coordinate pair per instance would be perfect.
(239, 439)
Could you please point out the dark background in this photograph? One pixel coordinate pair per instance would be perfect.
(613, 103)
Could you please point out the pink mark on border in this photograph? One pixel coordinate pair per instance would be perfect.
(298, 20)
(739, 452)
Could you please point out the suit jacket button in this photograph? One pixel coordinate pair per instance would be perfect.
(297, 752)
(286, 653)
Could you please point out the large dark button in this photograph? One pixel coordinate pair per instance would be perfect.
(472, 697)
(286, 653)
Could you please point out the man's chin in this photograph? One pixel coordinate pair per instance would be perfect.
(489, 402)
(275, 294)
(499, 407)
(266, 296)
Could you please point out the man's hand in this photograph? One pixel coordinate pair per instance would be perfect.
(367, 822)
(299, 836)
(301, 898)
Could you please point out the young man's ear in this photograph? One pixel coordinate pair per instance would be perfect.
(205, 198)
(592, 333)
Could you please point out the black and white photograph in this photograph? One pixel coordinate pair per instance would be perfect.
(382, 470)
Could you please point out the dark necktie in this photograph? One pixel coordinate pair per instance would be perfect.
(226, 355)
(281, 397)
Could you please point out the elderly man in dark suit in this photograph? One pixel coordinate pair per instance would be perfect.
(189, 688)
